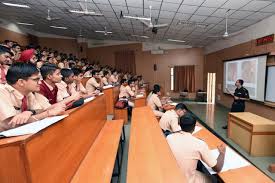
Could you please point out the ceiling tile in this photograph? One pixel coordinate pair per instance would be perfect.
(240, 14)
(214, 3)
(169, 6)
(187, 9)
(198, 18)
(270, 8)
(213, 20)
(166, 14)
(235, 4)
(205, 11)
(256, 5)
(222, 12)
(193, 2)
(182, 16)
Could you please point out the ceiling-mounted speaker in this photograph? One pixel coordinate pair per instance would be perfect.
(155, 67)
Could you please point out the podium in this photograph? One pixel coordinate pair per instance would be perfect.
(255, 134)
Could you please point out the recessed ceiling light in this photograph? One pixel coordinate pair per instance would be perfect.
(176, 40)
(57, 27)
(23, 23)
(16, 5)
(146, 37)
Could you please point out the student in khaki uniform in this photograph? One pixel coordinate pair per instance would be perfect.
(113, 78)
(92, 84)
(51, 75)
(188, 150)
(154, 102)
(105, 78)
(125, 92)
(20, 102)
(5, 57)
(169, 121)
(65, 87)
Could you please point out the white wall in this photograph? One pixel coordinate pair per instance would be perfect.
(260, 29)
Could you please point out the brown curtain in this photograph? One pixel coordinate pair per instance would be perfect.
(184, 78)
(125, 61)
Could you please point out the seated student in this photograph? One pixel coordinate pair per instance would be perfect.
(105, 78)
(20, 102)
(125, 92)
(5, 57)
(188, 150)
(156, 86)
(140, 80)
(113, 78)
(78, 76)
(155, 103)
(169, 121)
(51, 76)
(94, 82)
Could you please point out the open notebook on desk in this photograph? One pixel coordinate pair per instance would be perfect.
(32, 128)
(232, 160)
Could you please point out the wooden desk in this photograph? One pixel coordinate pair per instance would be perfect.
(253, 133)
(55, 153)
(140, 102)
(248, 174)
(99, 162)
(108, 92)
(150, 159)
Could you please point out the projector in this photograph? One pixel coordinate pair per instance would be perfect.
(155, 30)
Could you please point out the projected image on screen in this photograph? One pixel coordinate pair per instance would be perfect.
(251, 70)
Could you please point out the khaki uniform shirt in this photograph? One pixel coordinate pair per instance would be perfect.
(63, 92)
(188, 150)
(92, 84)
(3, 80)
(79, 87)
(113, 79)
(11, 102)
(125, 91)
(170, 121)
(154, 102)
(105, 81)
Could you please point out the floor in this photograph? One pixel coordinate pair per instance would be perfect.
(213, 116)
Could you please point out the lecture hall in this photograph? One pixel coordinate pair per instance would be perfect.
(137, 91)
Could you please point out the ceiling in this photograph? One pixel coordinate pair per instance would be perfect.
(211, 12)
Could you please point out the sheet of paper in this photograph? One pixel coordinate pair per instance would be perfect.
(108, 86)
(32, 128)
(139, 96)
(197, 128)
(100, 94)
(89, 99)
(173, 103)
(232, 160)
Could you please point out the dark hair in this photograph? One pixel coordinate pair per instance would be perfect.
(130, 81)
(241, 81)
(105, 73)
(76, 71)
(156, 86)
(156, 90)
(15, 44)
(181, 106)
(66, 73)
(123, 81)
(114, 71)
(4, 49)
(7, 41)
(47, 69)
(187, 123)
(20, 70)
(94, 72)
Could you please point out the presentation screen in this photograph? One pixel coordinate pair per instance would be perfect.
(252, 70)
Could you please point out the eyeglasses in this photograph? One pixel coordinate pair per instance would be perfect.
(35, 79)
